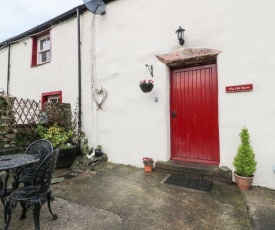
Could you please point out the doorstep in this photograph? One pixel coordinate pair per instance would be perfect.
(195, 170)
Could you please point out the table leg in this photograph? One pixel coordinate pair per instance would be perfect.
(6, 182)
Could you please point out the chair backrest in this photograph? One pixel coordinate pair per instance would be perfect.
(40, 149)
(44, 173)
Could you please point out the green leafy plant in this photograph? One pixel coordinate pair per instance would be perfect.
(98, 151)
(244, 161)
(24, 138)
(55, 134)
(85, 149)
(78, 136)
(147, 160)
(99, 147)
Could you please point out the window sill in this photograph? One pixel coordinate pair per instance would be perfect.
(41, 64)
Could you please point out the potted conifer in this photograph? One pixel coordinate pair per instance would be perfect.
(244, 162)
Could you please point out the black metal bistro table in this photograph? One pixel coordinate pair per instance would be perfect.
(14, 162)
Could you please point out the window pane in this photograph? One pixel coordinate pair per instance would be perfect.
(48, 55)
(48, 43)
(54, 100)
(45, 56)
(45, 44)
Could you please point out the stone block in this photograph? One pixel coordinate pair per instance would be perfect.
(6, 146)
(218, 179)
(10, 136)
(5, 140)
(222, 174)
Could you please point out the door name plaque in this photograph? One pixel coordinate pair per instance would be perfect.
(239, 88)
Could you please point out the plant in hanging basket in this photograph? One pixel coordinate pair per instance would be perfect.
(146, 86)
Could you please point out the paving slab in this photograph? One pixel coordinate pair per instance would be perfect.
(143, 202)
(114, 196)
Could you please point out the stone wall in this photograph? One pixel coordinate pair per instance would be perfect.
(17, 134)
(7, 134)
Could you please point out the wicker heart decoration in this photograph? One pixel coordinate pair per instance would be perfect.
(99, 97)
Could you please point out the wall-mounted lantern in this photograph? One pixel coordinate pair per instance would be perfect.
(180, 33)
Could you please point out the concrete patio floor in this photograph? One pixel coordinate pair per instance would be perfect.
(114, 196)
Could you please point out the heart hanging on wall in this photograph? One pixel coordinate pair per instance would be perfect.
(99, 96)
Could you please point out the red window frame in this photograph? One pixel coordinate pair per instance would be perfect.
(44, 96)
(35, 40)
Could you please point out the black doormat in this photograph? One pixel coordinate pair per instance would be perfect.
(187, 182)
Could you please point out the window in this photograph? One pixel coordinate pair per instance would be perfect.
(41, 49)
(44, 49)
(55, 96)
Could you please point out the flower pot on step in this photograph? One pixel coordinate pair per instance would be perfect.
(148, 168)
(243, 183)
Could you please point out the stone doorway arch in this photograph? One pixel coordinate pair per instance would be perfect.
(189, 56)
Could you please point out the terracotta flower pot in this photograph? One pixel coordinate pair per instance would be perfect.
(243, 183)
(148, 168)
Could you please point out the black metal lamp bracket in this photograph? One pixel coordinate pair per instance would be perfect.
(150, 68)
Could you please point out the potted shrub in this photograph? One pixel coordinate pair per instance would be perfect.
(63, 140)
(148, 164)
(98, 151)
(146, 86)
(244, 162)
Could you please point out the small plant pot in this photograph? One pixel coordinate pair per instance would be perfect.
(244, 183)
(146, 88)
(98, 153)
(148, 168)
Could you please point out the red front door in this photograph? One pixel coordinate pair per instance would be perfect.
(194, 114)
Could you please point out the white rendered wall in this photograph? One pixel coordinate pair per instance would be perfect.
(3, 69)
(129, 36)
(60, 74)
(115, 48)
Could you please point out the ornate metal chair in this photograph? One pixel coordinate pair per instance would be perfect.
(40, 149)
(36, 145)
(34, 195)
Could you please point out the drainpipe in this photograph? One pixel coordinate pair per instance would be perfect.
(8, 75)
(79, 70)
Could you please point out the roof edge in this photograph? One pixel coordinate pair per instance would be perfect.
(62, 17)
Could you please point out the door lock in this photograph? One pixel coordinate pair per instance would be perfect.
(174, 115)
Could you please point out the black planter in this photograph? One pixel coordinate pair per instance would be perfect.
(146, 87)
(66, 157)
(98, 153)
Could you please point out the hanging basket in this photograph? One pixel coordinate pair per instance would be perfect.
(146, 87)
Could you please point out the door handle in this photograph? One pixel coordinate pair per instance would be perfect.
(174, 114)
